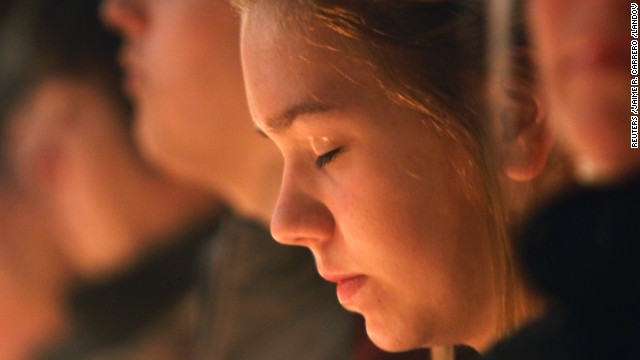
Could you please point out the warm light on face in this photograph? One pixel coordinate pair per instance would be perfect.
(377, 196)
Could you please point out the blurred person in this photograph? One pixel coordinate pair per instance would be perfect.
(396, 178)
(67, 157)
(156, 265)
(585, 72)
(580, 250)
(93, 196)
(183, 71)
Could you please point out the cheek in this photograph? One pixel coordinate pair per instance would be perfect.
(171, 63)
(379, 212)
(403, 191)
(422, 215)
(547, 15)
(173, 50)
(547, 19)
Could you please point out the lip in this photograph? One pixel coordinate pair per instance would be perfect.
(597, 53)
(348, 285)
(604, 57)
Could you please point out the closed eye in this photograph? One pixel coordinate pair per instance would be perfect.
(326, 158)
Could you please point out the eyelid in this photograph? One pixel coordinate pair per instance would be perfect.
(327, 157)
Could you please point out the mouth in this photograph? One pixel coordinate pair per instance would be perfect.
(596, 53)
(348, 286)
(603, 57)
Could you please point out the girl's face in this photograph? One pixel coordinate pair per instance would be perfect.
(389, 207)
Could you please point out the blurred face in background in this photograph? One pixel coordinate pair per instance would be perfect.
(71, 150)
(67, 145)
(45, 215)
(584, 56)
(183, 71)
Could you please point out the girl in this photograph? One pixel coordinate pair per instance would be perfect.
(392, 176)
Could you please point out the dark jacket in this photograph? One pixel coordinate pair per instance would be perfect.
(582, 252)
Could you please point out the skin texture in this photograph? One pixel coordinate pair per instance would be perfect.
(395, 203)
(183, 70)
(584, 62)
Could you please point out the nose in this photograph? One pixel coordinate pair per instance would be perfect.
(300, 218)
(125, 16)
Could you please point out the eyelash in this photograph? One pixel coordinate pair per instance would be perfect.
(326, 158)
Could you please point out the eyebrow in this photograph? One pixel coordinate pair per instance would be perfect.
(287, 117)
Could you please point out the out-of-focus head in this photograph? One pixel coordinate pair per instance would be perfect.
(65, 95)
(68, 147)
(391, 175)
(183, 71)
(65, 145)
(45, 40)
(584, 59)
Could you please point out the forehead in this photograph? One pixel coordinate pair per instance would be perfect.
(301, 43)
(288, 63)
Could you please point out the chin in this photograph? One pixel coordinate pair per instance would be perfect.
(392, 338)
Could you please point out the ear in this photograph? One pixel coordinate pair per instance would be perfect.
(526, 138)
